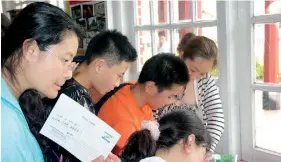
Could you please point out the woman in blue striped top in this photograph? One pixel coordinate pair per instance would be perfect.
(201, 94)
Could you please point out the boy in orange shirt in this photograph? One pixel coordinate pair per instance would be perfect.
(161, 81)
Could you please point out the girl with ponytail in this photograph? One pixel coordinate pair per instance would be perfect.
(179, 136)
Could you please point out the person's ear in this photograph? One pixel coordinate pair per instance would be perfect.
(189, 143)
(151, 88)
(30, 50)
(98, 65)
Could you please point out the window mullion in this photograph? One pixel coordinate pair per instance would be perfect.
(152, 31)
(172, 33)
(266, 19)
(178, 25)
(193, 15)
(267, 87)
(151, 8)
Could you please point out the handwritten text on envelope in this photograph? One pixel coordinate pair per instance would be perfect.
(79, 131)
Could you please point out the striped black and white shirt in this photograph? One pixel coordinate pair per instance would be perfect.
(208, 108)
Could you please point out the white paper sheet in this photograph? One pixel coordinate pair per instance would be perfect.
(79, 131)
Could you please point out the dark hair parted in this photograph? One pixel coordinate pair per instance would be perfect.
(165, 70)
(174, 126)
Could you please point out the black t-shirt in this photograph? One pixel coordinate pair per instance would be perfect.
(77, 92)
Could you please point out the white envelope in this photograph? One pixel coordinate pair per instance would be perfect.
(79, 131)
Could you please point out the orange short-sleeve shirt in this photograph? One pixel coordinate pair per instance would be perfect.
(122, 113)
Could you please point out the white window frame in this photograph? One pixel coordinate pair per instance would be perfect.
(171, 25)
(247, 101)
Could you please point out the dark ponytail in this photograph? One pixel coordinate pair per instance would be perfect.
(31, 103)
(140, 145)
(178, 125)
(174, 126)
(35, 114)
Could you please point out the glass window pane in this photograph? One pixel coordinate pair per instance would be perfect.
(143, 12)
(206, 10)
(144, 47)
(267, 46)
(262, 7)
(182, 10)
(210, 32)
(162, 39)
(161, 11)
(267, 115)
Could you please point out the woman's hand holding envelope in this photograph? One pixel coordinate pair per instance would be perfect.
(111, 158)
